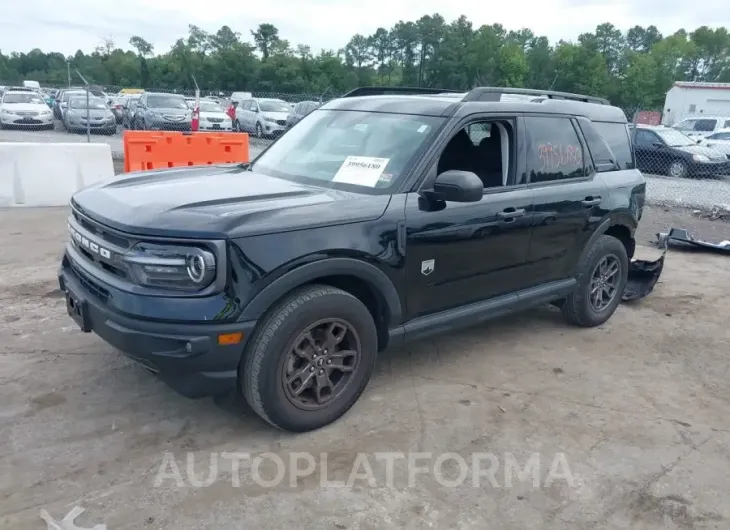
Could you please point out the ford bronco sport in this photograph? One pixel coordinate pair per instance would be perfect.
(383, 216)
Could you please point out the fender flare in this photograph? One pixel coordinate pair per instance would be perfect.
(374, 277)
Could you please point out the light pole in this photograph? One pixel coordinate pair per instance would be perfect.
(68, 71)
(88, 117)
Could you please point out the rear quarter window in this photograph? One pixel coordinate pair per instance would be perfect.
(616, 136)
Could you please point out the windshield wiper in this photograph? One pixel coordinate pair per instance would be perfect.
(245, 165)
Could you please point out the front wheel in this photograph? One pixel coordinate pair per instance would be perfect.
(602, 276)
(677, 169)
(310, 359)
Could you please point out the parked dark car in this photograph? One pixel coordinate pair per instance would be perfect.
(300, 110)
(380, 218)
(666, 151)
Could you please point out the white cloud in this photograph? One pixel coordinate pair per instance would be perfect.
(83, 24)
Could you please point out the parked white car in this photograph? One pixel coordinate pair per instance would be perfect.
(262, 116)
(24, 108)
(719, 140)
(213, 117)
(702, 126)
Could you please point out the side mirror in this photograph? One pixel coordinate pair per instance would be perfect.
(64, 105)
(458, 186)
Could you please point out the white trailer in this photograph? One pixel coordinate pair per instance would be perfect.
(695, 99)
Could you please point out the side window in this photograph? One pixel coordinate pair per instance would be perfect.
(484, 148)
(617, 138)
(554, 151)
(645, 138)
(705, 125)
(253, 105)
(727, 125)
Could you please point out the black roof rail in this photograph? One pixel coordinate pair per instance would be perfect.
(396, 91)
(489, 93)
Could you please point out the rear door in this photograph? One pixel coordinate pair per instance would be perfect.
(568, 192)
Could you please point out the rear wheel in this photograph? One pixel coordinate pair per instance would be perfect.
(259, 131)
(310, 359)
(602, 276)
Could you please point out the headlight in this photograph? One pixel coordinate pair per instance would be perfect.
(700, 158)
(271, 120)
(180, 267)
(5, 111)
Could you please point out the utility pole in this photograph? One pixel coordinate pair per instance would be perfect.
(88, 117)
(68, 72)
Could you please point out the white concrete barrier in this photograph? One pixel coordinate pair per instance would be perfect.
(38, 174)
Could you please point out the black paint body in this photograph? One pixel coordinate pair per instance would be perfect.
(275, 235)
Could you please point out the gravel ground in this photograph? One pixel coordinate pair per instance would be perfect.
(632, 415)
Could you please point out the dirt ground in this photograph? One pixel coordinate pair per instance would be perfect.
(628, 422)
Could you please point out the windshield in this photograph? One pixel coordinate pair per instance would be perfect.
(69, 95)
(80, 103)
(166, 102)
(674, 138)
(349, 149)
(23, 97)
(210, 106)
(273, 106)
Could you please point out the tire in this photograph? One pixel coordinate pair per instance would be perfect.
(236, 126)
(259, 131)
(52, 127)
(265, 361)
(677, 169)
(577, 307)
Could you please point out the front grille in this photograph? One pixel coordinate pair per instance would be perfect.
(27, 113)
(281, 122)
(174, 118)
(215, 120)
(99, 246)
(89, 284)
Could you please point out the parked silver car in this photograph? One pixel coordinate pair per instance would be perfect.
(99, 115)
(264, 117)
(164, 112)
(213, 117)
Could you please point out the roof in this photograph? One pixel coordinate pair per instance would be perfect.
(452, 105)
(701, 84)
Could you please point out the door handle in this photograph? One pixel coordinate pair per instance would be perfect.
(591, 201)
(510, 213)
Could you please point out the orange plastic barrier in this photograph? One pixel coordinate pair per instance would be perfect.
(145, 150)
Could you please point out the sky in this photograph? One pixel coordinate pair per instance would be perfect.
(84, 24)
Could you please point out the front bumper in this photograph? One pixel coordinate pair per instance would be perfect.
(208, 126)
(165, 125)
(186, 356)
(273, 129)
(27, 121)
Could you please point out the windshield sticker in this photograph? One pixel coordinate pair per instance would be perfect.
(385, 178)
(422, 128)
(361, 170)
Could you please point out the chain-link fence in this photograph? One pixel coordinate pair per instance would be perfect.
(686, 162)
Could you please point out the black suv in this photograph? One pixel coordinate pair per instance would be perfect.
(384, 216)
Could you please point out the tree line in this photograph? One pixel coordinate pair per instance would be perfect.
(634, 69)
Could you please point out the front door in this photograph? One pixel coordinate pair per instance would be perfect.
(460, 253)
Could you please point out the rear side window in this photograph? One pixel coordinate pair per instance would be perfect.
(617, 138)
(727, 125)
(705, 125)
(719, 136)
(554, 151)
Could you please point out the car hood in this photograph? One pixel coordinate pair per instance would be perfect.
(275, 115)
(25, 107)
(93, 113)
(171, 112)
(219, 202)
(709, 152)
